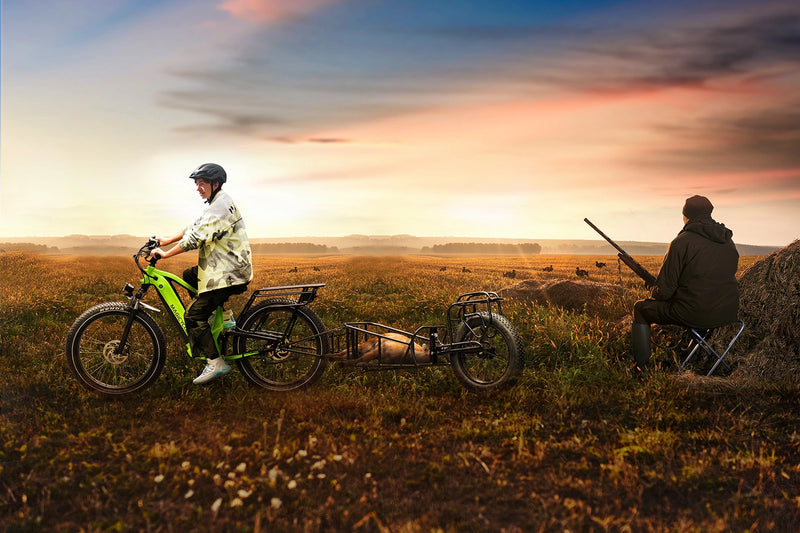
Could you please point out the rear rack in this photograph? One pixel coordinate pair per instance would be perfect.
(302, 294)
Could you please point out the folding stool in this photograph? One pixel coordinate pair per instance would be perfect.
(700, 339)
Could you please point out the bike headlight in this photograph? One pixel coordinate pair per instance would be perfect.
(128, 290)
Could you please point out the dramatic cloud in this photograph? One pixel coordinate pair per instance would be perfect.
(272, 10)
(700, 56)
(763, 139)
(283, 85)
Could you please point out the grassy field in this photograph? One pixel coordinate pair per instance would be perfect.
(578, 445)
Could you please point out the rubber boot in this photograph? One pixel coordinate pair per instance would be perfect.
(641, 344)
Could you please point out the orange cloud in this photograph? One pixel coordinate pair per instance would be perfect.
(272, 10)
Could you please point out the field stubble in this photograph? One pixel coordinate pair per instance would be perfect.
(577, 445)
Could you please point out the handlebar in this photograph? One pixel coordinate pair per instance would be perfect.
(151, 244)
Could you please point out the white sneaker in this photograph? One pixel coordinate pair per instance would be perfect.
(214, 369)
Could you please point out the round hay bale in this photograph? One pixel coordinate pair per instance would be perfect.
(769, 304)
(568, 294)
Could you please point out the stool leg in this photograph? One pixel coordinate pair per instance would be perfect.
(695, 346)
(720, 358)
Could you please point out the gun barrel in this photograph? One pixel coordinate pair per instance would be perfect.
(640, 271)
(606, 237)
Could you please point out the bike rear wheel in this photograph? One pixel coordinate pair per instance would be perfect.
(293, 358)
(500, 359)
(95, 357)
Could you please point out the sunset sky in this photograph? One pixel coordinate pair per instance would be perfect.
(503, 118)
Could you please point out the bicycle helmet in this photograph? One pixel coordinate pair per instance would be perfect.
(210, 172)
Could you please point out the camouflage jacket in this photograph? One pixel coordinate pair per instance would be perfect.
(224, 250)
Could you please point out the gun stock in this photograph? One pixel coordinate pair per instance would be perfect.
(625, 257)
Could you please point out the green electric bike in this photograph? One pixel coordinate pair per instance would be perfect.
(117, 348)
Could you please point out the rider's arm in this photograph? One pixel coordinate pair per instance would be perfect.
(163, 241)
(175, 250)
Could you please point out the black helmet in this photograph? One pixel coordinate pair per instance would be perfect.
(210, 172)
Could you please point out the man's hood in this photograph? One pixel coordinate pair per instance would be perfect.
(710, 229)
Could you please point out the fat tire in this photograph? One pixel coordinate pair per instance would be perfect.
(476, 372)
(94, 333)
(278, 370)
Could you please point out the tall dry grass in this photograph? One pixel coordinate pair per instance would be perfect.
(578, 445)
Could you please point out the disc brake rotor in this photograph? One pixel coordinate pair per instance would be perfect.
(110, 353)
(281, 354)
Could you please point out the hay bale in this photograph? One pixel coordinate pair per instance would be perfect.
(572, 295)
(769, 304)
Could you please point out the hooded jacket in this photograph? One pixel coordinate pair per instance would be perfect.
(698, 277)
(224, 258)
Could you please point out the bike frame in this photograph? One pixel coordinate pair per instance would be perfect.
(166, 284)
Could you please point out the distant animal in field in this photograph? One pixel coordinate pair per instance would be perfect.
(581, 273)
(392, 348)
(293, 269)
(512, 274)
(442, 269)
(465, 269)
(316, 269)
(598, 264)
(548, 269)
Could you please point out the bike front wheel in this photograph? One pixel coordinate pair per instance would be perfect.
(493, 356)
(288, 355)
(99, 361)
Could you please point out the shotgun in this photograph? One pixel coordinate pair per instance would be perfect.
(639, 270)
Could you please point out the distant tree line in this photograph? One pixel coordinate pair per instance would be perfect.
(292, 248)
(483, 248)
(27, 247)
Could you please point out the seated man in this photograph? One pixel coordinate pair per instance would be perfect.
(696, 285)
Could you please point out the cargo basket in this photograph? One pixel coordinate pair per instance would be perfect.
(383, 346)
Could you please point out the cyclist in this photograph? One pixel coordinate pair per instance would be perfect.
(224, 263)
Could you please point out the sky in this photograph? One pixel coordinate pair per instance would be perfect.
(485, 119)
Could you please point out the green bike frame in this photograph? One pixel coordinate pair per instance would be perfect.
(165, 284)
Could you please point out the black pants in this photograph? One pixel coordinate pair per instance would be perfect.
(653, 312)
(646, 312)
(198, 311)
